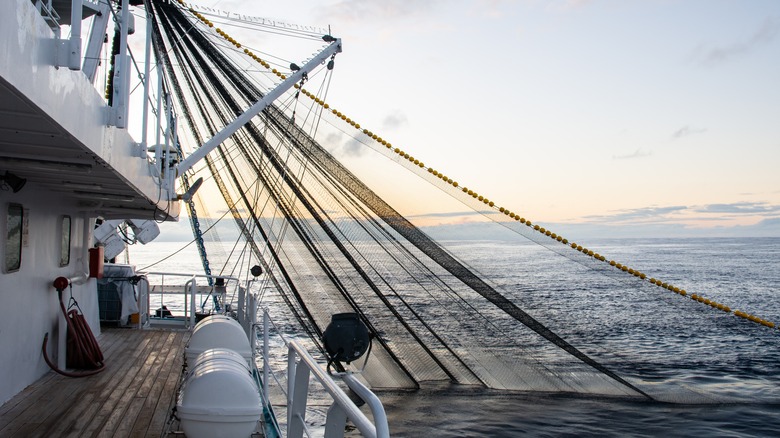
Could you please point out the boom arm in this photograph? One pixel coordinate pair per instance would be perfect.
(235, 125)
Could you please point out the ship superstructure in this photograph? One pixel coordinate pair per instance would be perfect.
(66, 159)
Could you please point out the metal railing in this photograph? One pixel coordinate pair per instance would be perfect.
(301, 366)
(189, 291)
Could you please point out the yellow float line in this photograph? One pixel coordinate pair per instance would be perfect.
(481, 198)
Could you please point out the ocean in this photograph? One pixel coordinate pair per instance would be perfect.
(718, 375)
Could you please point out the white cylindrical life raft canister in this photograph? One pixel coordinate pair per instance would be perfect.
(218, 331)
(219, 396)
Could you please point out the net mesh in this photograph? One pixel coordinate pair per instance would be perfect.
(330, 244)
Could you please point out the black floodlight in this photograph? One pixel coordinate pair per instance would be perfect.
(346, 338)
(256, 271)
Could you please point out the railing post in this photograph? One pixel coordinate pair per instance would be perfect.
(121, 73)
(377, 409)
(147, 70)
(296, 399)
(143, 301)
(162, 294)
(335, 422)
(240, 310)
(158, 126)
(193, 290)
(251, 309)
(74, 44)
(291, 365)
(266, 369)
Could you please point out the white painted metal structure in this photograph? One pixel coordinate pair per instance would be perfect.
(55, 126)
(56, 134)
(235, 125)
(301, 367)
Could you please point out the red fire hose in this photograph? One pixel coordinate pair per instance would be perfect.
(83, 351)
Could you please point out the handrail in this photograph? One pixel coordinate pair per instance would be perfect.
(191, 286)
(373, 402)
(179, 274)
(343, 408)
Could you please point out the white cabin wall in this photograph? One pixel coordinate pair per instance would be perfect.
(29, 300)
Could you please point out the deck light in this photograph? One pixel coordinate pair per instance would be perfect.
(346, 338)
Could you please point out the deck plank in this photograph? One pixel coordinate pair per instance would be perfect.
(123, 400)
(134, 398)
(108, 383)
(161, 416)
(152, 390)
(113, 395)
(59, 423)
(84, 410)
(134, 378)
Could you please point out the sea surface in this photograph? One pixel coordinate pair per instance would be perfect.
(718, 375)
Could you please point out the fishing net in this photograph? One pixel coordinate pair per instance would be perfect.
(331, 244)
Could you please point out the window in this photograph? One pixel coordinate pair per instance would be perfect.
(65, 242)
(13, 241)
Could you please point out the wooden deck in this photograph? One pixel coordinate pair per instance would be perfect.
(130, 398)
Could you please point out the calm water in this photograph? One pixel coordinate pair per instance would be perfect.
(720, 375)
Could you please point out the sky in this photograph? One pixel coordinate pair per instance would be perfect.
(643, 118)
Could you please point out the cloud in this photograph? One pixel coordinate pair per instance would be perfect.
(686, 131)
(639, 153)
(353, 148)
(765, 34)
(750, 208)
(395, 120)
(374, 10)
(341, 145)
(658, 214)
(770, 223)
(333, 139)
(689, 214)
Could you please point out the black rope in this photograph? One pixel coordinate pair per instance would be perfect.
(205, 63)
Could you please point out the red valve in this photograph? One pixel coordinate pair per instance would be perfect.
(60, 283)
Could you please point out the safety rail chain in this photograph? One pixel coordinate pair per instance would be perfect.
(473, 194)
(300, 367)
